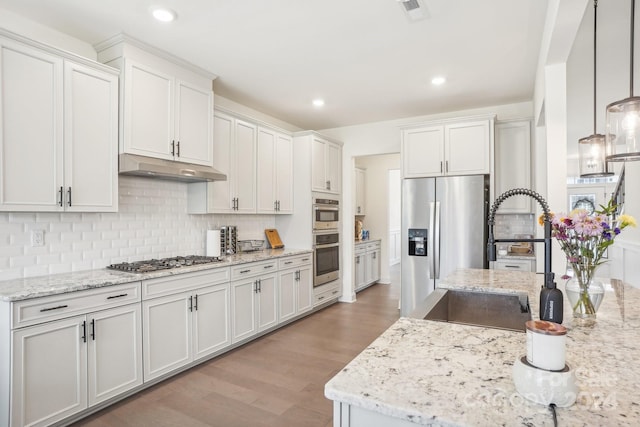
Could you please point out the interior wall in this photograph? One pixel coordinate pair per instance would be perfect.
(376, 219)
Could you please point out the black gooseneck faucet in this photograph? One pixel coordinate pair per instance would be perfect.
(550, 296)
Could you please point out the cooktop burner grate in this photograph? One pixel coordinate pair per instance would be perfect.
(163, 264)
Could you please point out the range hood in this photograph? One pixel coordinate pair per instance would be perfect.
(131, 164)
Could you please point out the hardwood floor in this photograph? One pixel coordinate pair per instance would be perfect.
(277, 380)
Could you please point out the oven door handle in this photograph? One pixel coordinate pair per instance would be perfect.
(327, 208)
(332, 245)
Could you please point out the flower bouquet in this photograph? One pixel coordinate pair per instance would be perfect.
(584, 238)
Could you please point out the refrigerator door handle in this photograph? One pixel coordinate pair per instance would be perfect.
(430, 245)
(436, 242)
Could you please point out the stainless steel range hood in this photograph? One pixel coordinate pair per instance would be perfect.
(131, 164)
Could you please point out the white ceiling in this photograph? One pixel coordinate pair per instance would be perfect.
(364, 57)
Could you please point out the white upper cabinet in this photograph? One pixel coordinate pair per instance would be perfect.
(359, 207)
(59, 116)
(166, 104)
(513, 163)
(452, 148)
(326, 166)
(274, 172)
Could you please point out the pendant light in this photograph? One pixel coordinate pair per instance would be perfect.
(592, 148)
(623, 119)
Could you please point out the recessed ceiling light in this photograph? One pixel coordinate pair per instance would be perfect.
(163, 14)
(438, 80)
(318, 102)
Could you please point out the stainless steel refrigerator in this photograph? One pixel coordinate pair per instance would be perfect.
(444, 227)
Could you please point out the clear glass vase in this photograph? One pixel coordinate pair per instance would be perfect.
(585, 293)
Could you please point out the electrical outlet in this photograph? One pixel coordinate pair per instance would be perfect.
(37, 237)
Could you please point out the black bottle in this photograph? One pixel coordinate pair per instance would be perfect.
(551, 303)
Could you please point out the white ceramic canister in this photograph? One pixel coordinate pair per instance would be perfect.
(546, 344)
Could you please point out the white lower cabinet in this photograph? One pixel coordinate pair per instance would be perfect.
(366, 264)
(254, 305)
(295, 286)
(184, 327)
(515, 265)
(64, 366)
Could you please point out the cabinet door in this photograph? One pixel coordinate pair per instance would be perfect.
(467, 148)
(219, 193)
(91, 139)
(148, 111)
(319, 180)
(284, 173)
(266, 167)
(193, 124)
(243, 309)
(305, 289)
(375, 266)
(359, 207)
(287, 304)
(211, 331)
(513, 164)
(114, 352)
(244, 173)
(267, 302)
(360, 270)
(31, 144)
(423, 152)
(334, 167)
(49, 377)
(166, 334)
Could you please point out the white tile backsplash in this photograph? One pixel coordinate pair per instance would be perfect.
(508, 225)
(152, 222)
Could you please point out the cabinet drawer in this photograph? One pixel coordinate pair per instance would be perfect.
(514, 265)
(294, 261)
(183, 282)
(253, 269)
(327, 293)
(373, 246)
(45, 309)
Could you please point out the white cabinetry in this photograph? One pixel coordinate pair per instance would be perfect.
(166, 104)
(274, 172)
(59, 117)
(513, 163)
(185, 319)
(367, 264)
(514, 265)
(295, 287)
(360, 203)
(254, 299)
(326, 165)
(452, 148)
(72, 351)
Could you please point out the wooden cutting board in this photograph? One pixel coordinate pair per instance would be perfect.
(274, 238)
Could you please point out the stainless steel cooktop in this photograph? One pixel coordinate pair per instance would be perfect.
(163, 264)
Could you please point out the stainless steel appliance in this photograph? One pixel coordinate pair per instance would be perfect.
(444, 227)
(163, 263)
(229, 239)
(326, 257)
(326, 214)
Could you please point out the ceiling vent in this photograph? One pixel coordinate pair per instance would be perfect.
(414, 9)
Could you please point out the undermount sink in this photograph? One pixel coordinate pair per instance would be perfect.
(477, 308)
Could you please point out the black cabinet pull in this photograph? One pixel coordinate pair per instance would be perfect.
(268, 266)
(178, 149)
(117, 296)
(93, 329)
(69, 196)
(190, 303)
(244, 271)
(288, 262)
(84, 331)
(255, 286)
(259, 285)
(53, 308)
(60, 194)
(305, 259)
(195, 302)
(173, 148)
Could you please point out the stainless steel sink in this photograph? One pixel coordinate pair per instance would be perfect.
(487, 309)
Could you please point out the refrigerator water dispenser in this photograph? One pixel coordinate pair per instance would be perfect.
(418, 241)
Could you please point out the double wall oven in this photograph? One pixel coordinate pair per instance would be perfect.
(326, 240)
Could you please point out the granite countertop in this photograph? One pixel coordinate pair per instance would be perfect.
(362, 242)
(34, 287)
(455, 375)
(511, 255)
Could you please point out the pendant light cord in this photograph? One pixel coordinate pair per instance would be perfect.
(633, 13)
(595, 28)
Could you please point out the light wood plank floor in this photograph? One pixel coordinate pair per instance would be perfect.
(277, 380)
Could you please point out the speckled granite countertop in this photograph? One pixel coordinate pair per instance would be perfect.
(34, 287)
(364, 242)
(435, 373)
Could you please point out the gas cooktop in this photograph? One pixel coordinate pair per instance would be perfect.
(163, 264)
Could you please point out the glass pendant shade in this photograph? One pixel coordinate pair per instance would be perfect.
(623, 130)
(592, 156)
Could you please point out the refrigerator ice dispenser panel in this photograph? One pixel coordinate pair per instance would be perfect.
(418, 241)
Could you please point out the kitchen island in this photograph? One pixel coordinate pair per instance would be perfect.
(422, 372)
